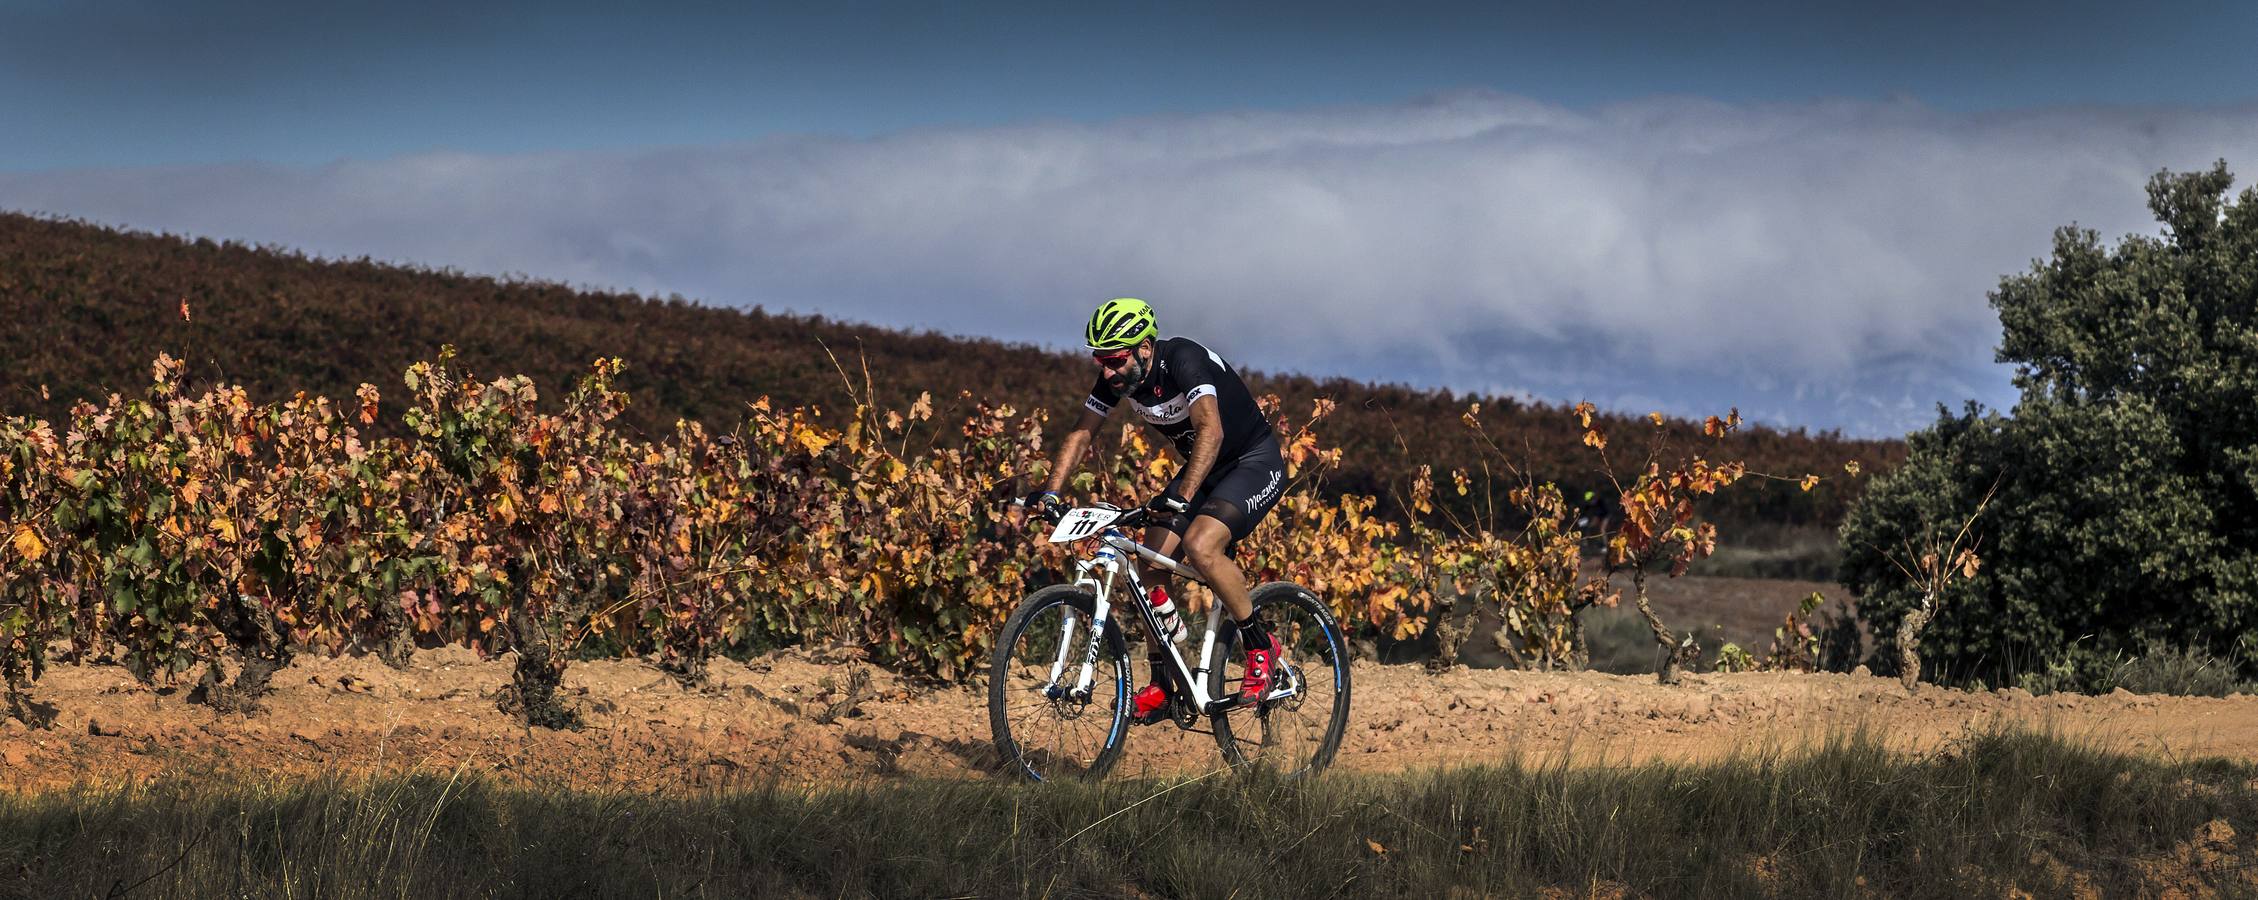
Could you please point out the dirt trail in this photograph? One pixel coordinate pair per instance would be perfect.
(801, 718)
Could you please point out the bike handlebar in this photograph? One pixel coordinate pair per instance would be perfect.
(1131, 518)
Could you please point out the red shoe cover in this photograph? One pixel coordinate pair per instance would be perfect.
(1257, 680)
(1149, 701)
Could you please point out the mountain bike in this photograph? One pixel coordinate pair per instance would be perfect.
(1059, 682)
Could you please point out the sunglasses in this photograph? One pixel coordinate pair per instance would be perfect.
(1113, 360)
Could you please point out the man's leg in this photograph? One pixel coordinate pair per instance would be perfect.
(1165, 543)
(1149, 704)
(1204, 547)
(1206, 542)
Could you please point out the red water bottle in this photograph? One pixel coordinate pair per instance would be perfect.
(1164, 609)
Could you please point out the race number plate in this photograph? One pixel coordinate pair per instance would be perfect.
(1082, 523)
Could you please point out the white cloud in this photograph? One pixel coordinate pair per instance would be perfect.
(1824, 264)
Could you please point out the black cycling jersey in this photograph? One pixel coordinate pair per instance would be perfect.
(1184, 371)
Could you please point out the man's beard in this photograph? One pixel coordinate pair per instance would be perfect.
(1126, 378)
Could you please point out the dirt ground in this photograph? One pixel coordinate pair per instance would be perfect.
(800, 718)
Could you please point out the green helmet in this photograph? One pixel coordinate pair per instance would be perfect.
(1119, 322)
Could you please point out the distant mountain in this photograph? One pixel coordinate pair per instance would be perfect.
(83, 310)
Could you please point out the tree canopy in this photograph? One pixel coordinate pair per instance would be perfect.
(2124, 484)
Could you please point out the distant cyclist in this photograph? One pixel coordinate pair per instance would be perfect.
(1594, 515)
(1232, 475)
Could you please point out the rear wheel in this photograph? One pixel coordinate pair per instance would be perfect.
(1042, 729)
(1298, 729)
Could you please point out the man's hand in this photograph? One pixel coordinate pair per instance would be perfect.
(1169, 503)
(1040, 504)
(1044, 504)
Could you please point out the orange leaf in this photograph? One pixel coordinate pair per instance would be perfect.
(1810, 481)
(1968, 563)
(1595, 440)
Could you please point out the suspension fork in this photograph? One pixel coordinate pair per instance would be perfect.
(1101, 573)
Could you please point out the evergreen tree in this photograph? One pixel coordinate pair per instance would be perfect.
(2126, 508)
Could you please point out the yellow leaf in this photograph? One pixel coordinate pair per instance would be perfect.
(810, 438)
(1851, 467)
(28, 544)
(1810, 481)
(1595, 440)
(225, 528)
(1655, 417)
(895, 471)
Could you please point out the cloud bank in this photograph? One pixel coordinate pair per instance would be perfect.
(1820, 264)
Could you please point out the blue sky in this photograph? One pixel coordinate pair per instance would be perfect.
(1493, 197)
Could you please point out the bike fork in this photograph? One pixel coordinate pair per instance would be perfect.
(1083, 681)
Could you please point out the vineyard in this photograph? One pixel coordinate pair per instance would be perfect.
(191, 531)
(94, 305)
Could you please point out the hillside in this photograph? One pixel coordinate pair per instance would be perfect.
(88, 307)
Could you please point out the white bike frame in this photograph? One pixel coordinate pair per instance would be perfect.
(1101, 573)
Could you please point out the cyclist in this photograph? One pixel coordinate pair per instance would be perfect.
(1593, 515)
(1232, 475)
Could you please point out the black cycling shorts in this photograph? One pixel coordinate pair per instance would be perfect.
(1240, 492)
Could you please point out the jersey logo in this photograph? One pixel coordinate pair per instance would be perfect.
(1175, 410)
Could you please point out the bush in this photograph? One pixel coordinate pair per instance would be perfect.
(2125, 484)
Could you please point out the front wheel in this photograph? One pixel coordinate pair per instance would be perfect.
(1298, 728)
(1042, 728)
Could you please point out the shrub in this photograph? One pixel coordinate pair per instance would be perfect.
(2126, 479)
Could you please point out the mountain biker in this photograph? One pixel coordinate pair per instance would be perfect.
(1593, 515)
(1232, 475)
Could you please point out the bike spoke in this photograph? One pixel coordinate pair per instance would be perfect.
(1291, 734)
(1056, 736)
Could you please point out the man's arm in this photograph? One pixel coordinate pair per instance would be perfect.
(1071, 450)
(1207, 441)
